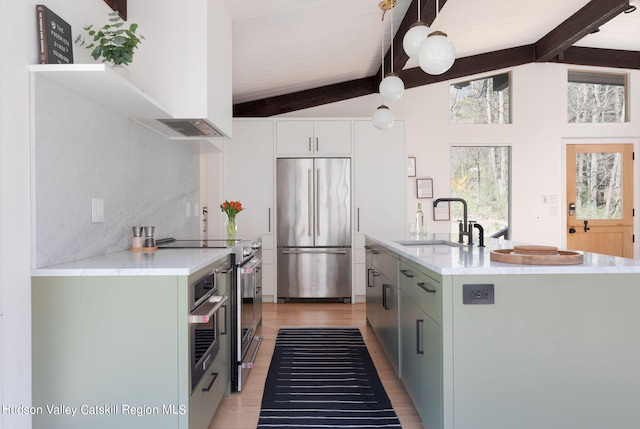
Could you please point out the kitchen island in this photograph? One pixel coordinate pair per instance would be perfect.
(481, 344)
(111, 341)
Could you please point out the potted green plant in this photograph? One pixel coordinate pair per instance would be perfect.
(113, 42)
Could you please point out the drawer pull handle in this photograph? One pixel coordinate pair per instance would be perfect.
(407, 273)
(385, 305)
(213, 380)
(375, 252)
(419, 347)
(424, 286)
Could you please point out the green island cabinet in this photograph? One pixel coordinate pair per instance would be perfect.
(112, 352)
(382, 300)
(421, 340)
(557, 348)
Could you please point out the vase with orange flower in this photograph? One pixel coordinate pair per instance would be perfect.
(231, 209)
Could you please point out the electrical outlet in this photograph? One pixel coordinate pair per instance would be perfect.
(478, 294)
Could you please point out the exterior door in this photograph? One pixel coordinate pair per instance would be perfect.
(600, 198)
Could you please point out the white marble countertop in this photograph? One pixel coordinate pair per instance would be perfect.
(163, 262)
(465, 260)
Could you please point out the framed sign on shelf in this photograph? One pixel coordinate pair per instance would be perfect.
(411, 166)
(442, 211)
(424, 188)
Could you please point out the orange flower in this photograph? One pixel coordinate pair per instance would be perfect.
(231, 208)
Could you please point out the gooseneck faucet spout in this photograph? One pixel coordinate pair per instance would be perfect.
(463, 230)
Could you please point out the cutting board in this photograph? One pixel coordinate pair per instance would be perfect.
(537, 255)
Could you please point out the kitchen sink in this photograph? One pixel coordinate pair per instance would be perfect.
(415, 243)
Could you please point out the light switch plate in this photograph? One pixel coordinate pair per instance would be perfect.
(187, 210)
(97, 210)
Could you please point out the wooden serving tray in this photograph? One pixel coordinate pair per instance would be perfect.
(561, 257)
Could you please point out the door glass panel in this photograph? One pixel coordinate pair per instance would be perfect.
(599, 185)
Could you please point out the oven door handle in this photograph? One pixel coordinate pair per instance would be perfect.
(206, 310)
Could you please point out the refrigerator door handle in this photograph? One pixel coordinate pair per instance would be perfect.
(317, 202)
(309, 201)
(330, 252)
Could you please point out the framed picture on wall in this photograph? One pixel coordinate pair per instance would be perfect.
(424, 188)
(442, 212)
(411, 166)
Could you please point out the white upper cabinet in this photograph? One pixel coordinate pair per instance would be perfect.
(330, 137)
(248, 176)
(380, 179)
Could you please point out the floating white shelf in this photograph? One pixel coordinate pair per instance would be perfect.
(100, 83)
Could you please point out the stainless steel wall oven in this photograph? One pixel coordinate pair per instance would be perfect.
(249, 316)
(206, 321)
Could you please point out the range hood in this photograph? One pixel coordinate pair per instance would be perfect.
(182, 129)
(199, 128)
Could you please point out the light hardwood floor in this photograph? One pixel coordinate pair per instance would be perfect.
(241, 410)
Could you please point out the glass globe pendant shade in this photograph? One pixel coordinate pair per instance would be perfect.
(436, 54)
(392, 87)
(383, 118)
(414, 37)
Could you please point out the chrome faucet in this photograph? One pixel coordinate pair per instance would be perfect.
(462, 227)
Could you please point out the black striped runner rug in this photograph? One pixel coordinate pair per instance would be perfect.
(324, 378)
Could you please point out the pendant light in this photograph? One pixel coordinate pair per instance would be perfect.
(391, 87)
(383, 117)
(436, 54)
(414, 37)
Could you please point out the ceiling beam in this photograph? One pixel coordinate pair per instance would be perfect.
(468, 66)
(600, 58)
(306, 99)
(583, 22)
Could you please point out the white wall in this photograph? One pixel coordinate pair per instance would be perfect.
(18, 45)
(537, 137)
(84, 151)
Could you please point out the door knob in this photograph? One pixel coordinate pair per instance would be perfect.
(572, 230)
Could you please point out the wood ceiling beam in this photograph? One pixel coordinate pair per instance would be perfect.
(306, 99)
(583, 22)
(468, 66)
(600, 58)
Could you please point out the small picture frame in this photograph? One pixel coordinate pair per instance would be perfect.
(424, 188)
(411, 166)
(442, 211)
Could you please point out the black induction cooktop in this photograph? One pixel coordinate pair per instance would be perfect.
(215, 243)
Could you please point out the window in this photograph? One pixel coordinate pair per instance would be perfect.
(596, 97)
(481, 101)
(481, 175)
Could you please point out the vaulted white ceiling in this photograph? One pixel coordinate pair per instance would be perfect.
(285, 46)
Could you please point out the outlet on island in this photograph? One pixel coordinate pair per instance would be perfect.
(478, 294)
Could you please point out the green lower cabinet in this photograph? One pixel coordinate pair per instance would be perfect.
(113, 352)
(421, 364)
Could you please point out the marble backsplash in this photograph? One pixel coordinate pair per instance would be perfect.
(83, 151)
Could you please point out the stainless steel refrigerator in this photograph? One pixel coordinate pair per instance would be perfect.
(314, 228)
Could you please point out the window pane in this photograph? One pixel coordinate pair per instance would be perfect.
(596, 97)
(480, 175)
(599, 186)
(481, 101)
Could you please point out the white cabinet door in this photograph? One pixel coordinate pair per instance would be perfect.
(248, 176)
(379, 183)
(294, 137)
(313, 138)
(332, 137)
(380, 179)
